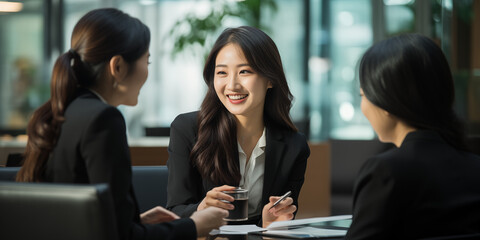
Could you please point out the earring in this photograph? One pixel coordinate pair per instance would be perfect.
(115, 84)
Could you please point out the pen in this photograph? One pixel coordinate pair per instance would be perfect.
(281, 199)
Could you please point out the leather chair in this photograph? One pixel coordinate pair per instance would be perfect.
(149, 183)
(8, 173)
(347, 157)
(56, 211)
(157, 131)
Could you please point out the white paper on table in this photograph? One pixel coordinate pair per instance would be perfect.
(282, 224)
(308, 232)
(237, 229)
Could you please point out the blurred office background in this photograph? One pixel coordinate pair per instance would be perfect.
(320, 42)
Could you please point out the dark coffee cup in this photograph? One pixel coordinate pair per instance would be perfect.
(240, 212)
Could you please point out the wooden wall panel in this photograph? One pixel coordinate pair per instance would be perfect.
(314, 200)
(148, 156)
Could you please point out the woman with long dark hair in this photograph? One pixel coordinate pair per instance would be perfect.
(79, 136)
(241, 137)
(429, 185)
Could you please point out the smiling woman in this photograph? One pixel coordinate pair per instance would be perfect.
(240, 88)
(242, 127)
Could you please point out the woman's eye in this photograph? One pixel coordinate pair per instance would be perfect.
(221, 72)
(245, 71)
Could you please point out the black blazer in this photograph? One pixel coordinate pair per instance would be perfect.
(286, 156)
(425, 188)
(92, 148)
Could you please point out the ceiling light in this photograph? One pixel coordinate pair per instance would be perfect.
(10, 6)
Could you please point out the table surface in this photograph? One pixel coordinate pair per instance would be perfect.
(252, 237)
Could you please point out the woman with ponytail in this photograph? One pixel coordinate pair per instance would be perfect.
(241, 137)
(79, 136)
(428, 186)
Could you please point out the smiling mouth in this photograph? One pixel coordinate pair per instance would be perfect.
(237, 96)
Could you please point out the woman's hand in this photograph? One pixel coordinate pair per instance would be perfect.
(157, 215)
(283, 211)
(216, 198)
(208, 219)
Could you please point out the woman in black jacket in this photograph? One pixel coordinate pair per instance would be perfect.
(79, 136)
(429, 185)
(242, 136)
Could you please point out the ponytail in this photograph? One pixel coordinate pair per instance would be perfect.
(44, 126)
(96, 38)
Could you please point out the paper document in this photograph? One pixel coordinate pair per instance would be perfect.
(306, 232)
(301, 228)
(283, 224)
(237, 229)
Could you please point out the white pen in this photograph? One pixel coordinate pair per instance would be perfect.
(281, 199)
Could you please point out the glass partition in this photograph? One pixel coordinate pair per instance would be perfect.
(22, 87)
(320, 42)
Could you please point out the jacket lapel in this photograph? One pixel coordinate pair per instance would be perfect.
(273, 160)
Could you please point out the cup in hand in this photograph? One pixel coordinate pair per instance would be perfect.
(240, 211)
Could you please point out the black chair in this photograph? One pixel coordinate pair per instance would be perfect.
(14, 160)
(12, 132)
(157, 131)
(8, 173)
(56, 211)
(347, 157)
(150, 184)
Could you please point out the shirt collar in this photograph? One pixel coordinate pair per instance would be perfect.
(261, 144)
(99, 96)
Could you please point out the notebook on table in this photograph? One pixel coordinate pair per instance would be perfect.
(310, 228)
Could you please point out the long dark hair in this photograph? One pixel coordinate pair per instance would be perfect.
(96, 38)
(215, 153)
(409, 77)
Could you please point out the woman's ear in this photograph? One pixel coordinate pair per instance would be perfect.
(389, 115)
(269, 84)
(118, 68)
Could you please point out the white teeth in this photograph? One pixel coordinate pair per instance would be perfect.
(237, 97)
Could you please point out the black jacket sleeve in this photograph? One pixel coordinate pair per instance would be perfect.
(106, 153)
(185, 189)
(374, 203)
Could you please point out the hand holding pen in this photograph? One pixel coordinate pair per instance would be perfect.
(281, 199)
(278, 209)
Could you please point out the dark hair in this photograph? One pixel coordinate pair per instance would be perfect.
(96, 38)
(409, 77)
(215, 153)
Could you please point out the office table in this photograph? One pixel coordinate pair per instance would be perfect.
(254, 237)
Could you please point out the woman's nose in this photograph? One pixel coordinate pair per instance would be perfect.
(232, 82)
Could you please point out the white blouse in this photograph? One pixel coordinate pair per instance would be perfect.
(252, 175)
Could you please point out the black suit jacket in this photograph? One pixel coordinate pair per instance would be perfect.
(92, 148)
(425, 188)
(286, 156)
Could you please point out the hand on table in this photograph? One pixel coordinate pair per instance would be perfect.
(157, 215)
(283, 211)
